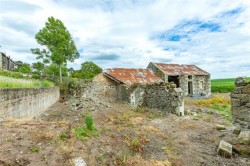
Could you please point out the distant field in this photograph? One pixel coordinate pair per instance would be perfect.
(8, 82)
(223, 85)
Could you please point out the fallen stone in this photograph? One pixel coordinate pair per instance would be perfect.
(225, 149)
(243, 150)
(79, 162)
(244, 137)
(237, 130)
(220, 127)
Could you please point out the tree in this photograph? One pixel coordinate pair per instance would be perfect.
(22, 67)
(54, 70)
(87, 71)
(58, 43)
(38, 67)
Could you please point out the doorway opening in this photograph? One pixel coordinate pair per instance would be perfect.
(190, 88)
(175, 80)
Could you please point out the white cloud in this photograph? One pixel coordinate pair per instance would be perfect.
(125, 29)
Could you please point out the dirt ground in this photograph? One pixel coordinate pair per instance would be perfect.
(126, 136)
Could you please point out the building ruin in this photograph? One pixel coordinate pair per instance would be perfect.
(140, 88)
(191, 79)
(5, 62)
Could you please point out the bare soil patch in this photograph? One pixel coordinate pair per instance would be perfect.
(126, 136)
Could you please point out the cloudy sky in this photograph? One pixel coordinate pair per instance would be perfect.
(212, 34)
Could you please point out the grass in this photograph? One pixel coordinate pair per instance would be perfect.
(222, 105)
(35, 149)
(83, 132)
(8, 82)
(223, 85)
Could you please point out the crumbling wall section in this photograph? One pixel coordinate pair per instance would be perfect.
(165, 98)
(123, 93)
(240, 105)
(26, 102)
(101, 86)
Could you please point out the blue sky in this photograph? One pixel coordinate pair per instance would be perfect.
(212, 34)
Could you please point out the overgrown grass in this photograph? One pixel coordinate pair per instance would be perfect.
(222, 105)
(7, 82)
(223, 85)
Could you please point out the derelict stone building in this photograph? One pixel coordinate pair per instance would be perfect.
(139, 87)
(5, 62)
(191, 79)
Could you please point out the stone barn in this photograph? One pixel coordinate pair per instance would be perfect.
(126, 83)
(191, 79)
(139, 87)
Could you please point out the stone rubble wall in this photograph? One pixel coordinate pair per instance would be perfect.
(201, 85)
(123, 93)
(240, 106)
(166, 99)
(100, 87)
(26, 102)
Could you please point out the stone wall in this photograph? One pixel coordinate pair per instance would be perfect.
(201, 85)
(123, 93)
(5, 62)
(26, 102)
(164, 98)
(240, 106)
(101, 86)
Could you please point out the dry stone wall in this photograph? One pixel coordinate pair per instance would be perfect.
(164, 98)
(240, 101)
(201, 85)
(26, 102)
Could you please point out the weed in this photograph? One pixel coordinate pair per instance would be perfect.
(218, 103)
(10, 139)
(224, 110)
(170, 149)
(137, 144)
(83, 132)
(63, 136)
(89, 123)
(35, 149)
(211, 101)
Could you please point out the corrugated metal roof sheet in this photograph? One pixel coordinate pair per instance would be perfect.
(132, 76)
(177, 69)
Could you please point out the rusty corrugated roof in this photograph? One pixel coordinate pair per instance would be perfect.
(132, 76)
(178, 69)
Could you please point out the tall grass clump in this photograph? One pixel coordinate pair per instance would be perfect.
(88, 130)
(7, 82)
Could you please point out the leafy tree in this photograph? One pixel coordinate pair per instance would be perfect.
(53, 69)
(38, 67)
(22, 67)
(58, 45)
(87, 71)
(71, 71)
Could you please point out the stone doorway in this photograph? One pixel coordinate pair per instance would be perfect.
(190, 88)
(174, 79)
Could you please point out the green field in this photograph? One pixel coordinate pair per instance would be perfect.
(223, 85)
